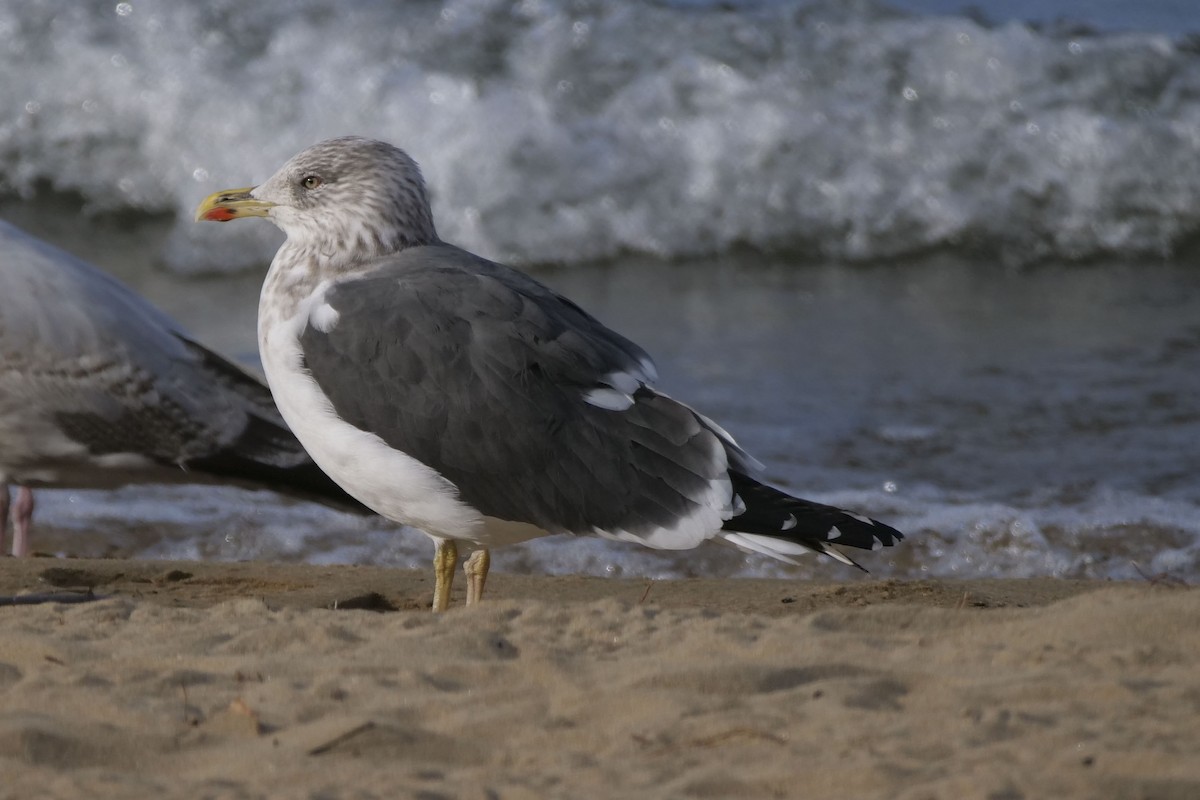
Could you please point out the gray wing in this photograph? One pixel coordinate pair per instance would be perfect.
(532, 408)
(99, 388)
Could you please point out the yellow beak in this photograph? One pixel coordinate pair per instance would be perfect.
(230, 204)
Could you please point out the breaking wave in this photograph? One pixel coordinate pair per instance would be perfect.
(572, 131)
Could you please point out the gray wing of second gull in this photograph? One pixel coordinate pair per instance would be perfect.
(532, 408)
(98, 389)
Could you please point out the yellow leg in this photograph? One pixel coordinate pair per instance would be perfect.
(445, 559)
(476, 567)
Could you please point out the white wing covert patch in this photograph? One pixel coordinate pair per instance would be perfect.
(615, 392)
(608, 399)
(323, 317)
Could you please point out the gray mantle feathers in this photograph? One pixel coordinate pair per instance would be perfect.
(535, 411)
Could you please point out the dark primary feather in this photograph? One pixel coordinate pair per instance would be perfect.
(769, 512)
(251, 448)
(479, 372)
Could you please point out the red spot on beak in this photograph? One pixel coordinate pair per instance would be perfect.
(220, 214)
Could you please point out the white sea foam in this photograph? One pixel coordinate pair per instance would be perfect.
(1105, 534)
(565, 131)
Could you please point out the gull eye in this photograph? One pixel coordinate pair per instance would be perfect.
(311, 182)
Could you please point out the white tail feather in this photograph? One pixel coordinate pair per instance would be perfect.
(782, 549)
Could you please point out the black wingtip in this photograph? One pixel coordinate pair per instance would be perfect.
(771, 512)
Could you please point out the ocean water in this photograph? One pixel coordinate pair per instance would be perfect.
(930, 264)
(578, 131)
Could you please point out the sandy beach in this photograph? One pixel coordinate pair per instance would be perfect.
(257, 680)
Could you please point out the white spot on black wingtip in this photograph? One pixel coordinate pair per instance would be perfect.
(790, 522)
(834, 533)
(877, 543)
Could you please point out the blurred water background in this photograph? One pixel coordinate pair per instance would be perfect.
(931, 262)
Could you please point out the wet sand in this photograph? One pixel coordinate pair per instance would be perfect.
(197, 679)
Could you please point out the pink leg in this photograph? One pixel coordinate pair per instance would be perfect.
(4, 498)
(22, 516)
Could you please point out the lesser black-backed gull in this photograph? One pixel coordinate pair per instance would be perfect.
(99, 389)
(464, 398)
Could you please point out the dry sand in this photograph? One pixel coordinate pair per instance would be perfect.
(197, 680)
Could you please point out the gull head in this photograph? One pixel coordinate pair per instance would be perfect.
(342, 200)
